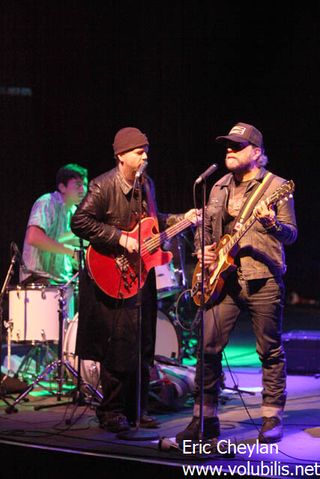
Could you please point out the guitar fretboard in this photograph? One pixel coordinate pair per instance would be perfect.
(282, 192)
(158, 239)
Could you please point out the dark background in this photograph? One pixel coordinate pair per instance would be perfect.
(183, 72)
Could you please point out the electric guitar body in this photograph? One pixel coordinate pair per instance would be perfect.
(216, 274)
(118, 275)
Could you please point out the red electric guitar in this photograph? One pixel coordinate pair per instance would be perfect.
(117, 275)
(216, 274)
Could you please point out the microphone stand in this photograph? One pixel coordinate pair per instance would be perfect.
(7, 280)
(202, 179)
(136, 434)
(202, 303)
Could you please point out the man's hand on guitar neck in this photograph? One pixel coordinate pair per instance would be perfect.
(266, 215)
(209, 255)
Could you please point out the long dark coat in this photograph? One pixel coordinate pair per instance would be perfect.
(108, 328)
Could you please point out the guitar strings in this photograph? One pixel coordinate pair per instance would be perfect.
(159, 238)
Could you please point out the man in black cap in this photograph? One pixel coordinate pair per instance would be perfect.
(108, 325)
(254, 284)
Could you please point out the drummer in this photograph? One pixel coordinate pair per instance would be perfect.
(51, 251)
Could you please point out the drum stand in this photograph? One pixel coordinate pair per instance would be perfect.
(58, 365)
(35, 354)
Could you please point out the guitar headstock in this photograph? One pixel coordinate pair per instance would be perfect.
(284, 192)
(194, 216)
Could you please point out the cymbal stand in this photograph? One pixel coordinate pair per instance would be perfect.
(59, 364)
(182, 258)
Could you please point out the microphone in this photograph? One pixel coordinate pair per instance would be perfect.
(16, 252)
(141, 169)
(207, 173)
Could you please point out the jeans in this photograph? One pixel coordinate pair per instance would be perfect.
(263, 299)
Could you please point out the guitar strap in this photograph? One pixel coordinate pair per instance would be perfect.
(252, 200)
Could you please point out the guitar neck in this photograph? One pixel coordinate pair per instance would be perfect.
(170, 232)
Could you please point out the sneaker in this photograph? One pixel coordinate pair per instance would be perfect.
(271, 430)
(116, 423)
(211, 429)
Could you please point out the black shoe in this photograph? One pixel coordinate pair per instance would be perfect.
(211, 429)
(147, 422)
(117, 423)
(271, 430)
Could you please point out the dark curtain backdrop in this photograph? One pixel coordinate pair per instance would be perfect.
(73, 72)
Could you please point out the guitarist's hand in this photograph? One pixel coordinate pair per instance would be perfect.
(209, 254)
(130, 244)
(194, 216)
(266, 215)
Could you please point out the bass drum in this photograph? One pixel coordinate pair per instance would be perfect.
(167, 340)
(90, 370)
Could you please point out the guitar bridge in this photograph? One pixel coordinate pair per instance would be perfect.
(122, 263)
(128, 276)
(197, 286)
(195, 290)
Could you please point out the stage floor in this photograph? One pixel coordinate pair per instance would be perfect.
(48, 441)
(65, 440)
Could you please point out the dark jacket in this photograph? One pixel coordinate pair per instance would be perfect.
(108, 328)
(104, 211)
(261, 252)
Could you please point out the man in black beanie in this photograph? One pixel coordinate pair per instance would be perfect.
(109, 322)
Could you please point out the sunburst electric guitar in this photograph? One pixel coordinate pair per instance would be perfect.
(216, 274)
(118, 275)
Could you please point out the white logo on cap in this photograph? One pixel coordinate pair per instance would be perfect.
(237, 130)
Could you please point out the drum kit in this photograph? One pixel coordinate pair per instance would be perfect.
(45, 319)
(42, 316)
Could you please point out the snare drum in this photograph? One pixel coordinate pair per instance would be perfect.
(166, 280)
(90, 370)
(34, 312)
(167, 340)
